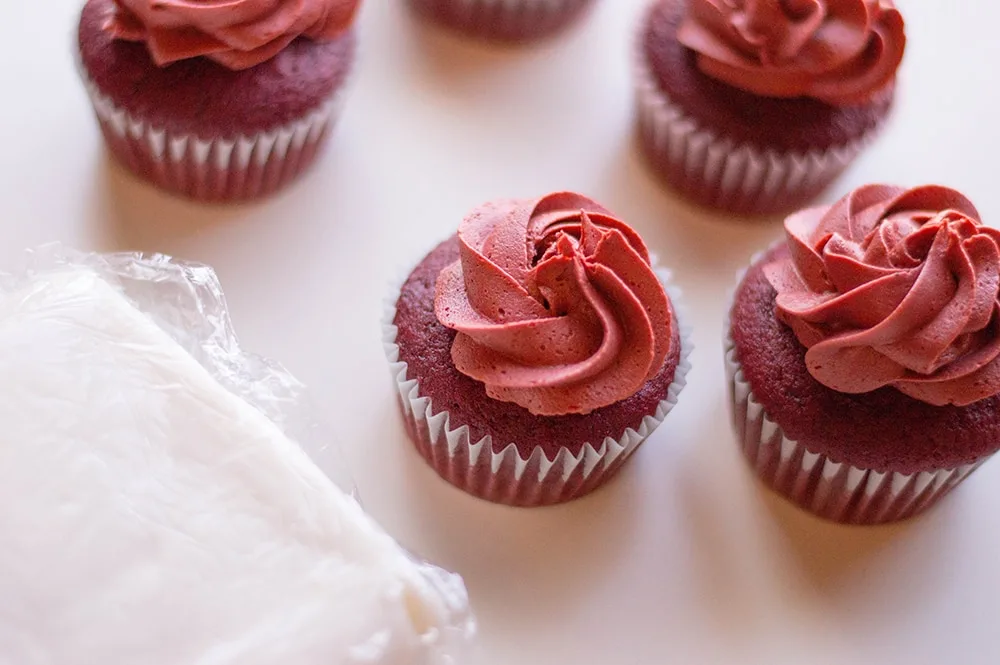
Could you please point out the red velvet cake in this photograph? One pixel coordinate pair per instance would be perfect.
(503, 20)
(216, 104)
(535, 350)
(864, 354)
(755, 108)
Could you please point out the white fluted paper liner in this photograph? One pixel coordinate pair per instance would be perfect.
(218, 168)
(824, 486)
(503, 19)
(507, 477)
(714, 170)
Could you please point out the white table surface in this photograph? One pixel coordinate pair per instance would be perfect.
(684, 558)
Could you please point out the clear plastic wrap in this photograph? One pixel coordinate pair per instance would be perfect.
(63, 315)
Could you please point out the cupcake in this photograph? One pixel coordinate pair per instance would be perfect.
(755, 107)
(864, 354)
(503, 20)
(534, 350)
(216, 102)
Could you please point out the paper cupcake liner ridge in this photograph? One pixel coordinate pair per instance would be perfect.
(506, 477)
(832, 490)
(718, 172)
(503, 19)
(217, 168)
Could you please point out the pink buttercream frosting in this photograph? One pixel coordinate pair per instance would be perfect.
(842, 52)
(237, 34)
(895, 287)
(556, 305)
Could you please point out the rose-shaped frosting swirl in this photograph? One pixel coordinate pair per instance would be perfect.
(556, 305)
(895, 287)
(842, 52)
(237, 34)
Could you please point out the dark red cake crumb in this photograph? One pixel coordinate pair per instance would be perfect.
(200, 97)
(883, 430)
(784, 125)
(425, 345)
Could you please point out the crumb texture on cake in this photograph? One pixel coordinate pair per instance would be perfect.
(883, 430)
(149, 515)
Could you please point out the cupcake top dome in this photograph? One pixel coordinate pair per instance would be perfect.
(237, 34)
(895, 287)
(841, 52)
(556, 305)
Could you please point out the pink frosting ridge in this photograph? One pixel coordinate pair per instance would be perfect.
(237, 34)
(895, 287)
(556, 305)
(842, 52)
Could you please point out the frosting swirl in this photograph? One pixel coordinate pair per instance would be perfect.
(895, 287)
(237, 34)
(556, 305)
(841, 52)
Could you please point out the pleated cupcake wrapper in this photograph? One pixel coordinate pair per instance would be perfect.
(833, 490)
(214, 169)
(715, 170)
(503, 19)
(507, 477)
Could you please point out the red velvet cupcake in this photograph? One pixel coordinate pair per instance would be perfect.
(864, 354)
(755, 107)
(213, 102)
(535, 350)
(503, 20)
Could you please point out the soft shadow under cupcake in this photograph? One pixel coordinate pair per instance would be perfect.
(452, 54)
(796, 557)
(716, 510)
(835, 557)
(455, 59)
(683, 234)
(133, 215)
(826, 551)
(530, 563)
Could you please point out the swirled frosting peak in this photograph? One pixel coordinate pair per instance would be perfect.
(237, 34)
(895, 287)
(556, 305)
(842, 52)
